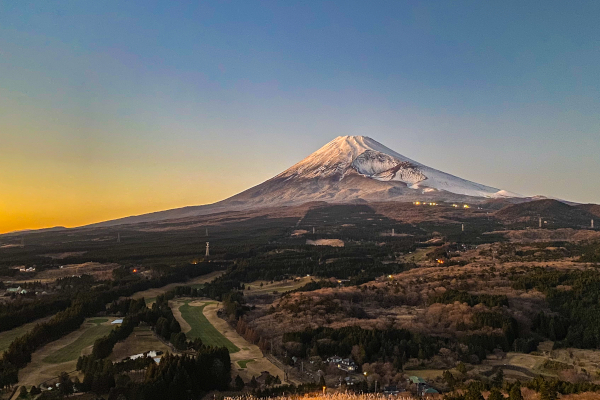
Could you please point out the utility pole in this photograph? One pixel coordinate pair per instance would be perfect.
(23, 241)
(118, 238)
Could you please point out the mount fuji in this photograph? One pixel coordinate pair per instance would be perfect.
(349, 169)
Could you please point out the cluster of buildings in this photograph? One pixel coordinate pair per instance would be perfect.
(422, 387)
(425, 203)
(17, 290)
(345, 364)
(154, 354)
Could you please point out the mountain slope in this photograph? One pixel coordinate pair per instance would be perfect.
(369, 158)
(346, 170)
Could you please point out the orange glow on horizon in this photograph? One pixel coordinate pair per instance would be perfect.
(43, 202)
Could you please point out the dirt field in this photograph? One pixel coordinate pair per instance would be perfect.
(140, 341)
(247, 350)
(38, 371)
(151, 294)
(279, 287)
(326, 242)
(98, 270)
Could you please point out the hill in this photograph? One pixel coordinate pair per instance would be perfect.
(553, 213)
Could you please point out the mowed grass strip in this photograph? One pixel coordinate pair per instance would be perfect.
(7, 337)
(244, 363)
(73, 350)
(203, 329)
(98, 320)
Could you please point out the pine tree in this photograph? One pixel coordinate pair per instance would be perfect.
(515, 392)
(239, 383)
(498, 379)
(495, 394)
(473, 393)
(547, 392)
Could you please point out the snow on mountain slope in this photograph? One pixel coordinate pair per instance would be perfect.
(371, 159)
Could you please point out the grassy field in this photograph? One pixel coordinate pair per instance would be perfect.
(97, 320)
(418, 255)
(244, 363)
(203, 329)
(7, 337)
(73, 350)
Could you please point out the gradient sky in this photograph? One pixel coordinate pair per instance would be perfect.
(112, 108)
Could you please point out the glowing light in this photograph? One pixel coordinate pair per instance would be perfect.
(466, 206)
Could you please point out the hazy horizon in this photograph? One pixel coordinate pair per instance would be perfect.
(109, 110)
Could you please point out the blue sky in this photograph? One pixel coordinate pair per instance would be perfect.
(119, 108)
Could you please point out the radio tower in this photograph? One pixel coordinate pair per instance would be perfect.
(207, 249)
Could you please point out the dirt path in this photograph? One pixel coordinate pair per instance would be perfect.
(247, 351)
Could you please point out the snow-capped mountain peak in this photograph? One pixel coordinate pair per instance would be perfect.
(369, 158)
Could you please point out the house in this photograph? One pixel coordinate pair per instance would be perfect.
(422, 387)
(153, 354)
(334, 360)
(347, 365)
(350, 380)
(17, 290)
